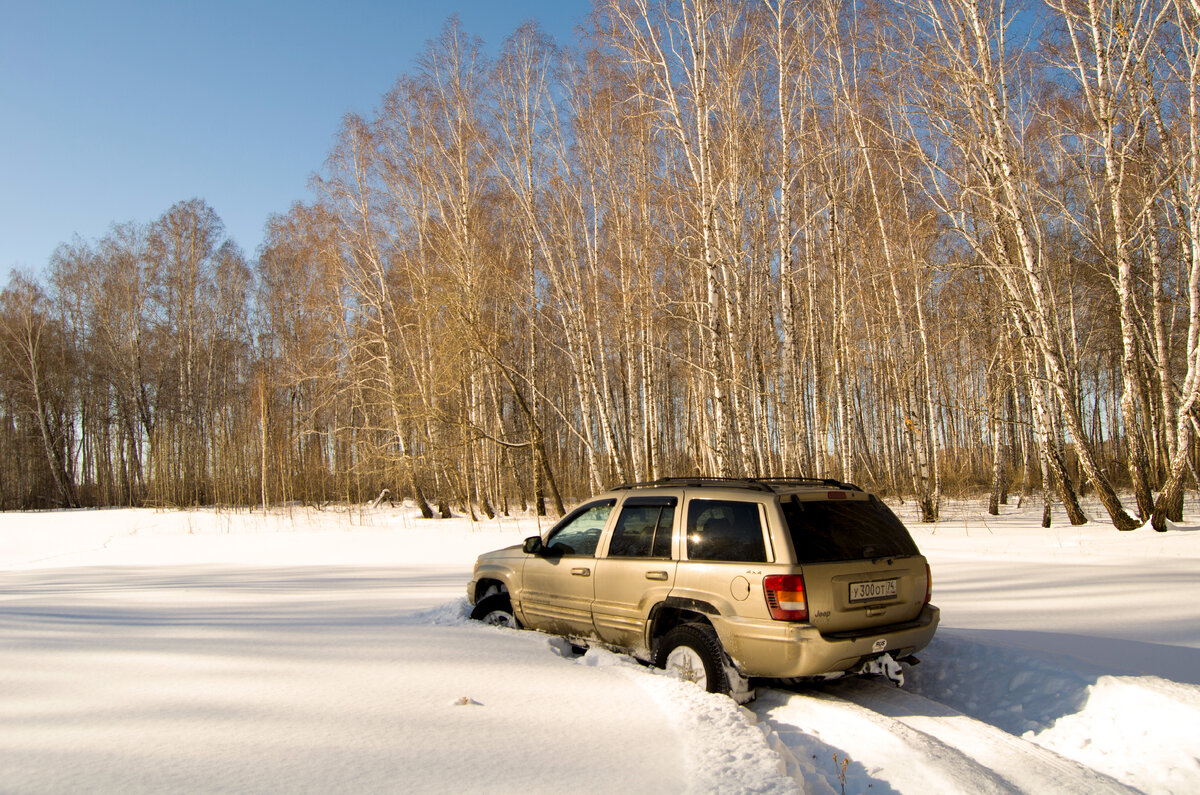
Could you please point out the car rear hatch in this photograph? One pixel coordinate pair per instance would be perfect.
(861, 567)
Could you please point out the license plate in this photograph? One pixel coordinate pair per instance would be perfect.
(866, 591)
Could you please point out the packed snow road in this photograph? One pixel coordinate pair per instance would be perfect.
(201, 651)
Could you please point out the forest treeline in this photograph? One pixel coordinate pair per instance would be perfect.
(933, 247)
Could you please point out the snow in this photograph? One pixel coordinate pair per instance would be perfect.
(317, 651)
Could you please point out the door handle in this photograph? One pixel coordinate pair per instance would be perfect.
(582, 572)
(656, 575)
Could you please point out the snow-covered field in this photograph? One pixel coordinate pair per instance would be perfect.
(307, 651)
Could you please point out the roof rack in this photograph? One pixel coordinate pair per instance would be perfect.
(756, 484)
(791, 481)
(695, 482)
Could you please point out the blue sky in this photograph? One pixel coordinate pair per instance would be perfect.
(113, 111)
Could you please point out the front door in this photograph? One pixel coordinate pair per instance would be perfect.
(557, 583)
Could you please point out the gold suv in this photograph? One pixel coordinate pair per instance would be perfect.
(719, 580)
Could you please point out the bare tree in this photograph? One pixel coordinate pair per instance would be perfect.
(1187, 145)
(35, 358)
(972, 107)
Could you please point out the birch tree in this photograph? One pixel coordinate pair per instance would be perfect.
(970, 65)
(1186, 143)
(34, 357)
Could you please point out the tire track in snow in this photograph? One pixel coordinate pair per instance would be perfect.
(900, 742)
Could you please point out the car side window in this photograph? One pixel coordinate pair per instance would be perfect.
(725, 530)
(579, 533)
(644, 528)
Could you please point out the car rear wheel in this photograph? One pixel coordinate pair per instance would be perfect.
(496, 610)
(693, 653)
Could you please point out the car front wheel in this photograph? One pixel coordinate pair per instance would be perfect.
(496, 610)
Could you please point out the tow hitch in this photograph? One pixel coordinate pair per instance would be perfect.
(885, 666)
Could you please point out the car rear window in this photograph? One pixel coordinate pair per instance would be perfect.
(832, 530)
(725, 530)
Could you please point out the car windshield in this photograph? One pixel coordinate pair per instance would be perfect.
(827, 530)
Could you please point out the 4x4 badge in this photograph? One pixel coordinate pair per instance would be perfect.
(880, 645)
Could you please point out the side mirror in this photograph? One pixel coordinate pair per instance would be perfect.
(533, 545)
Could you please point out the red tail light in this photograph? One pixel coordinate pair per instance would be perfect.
(785, 597)
(928, 584)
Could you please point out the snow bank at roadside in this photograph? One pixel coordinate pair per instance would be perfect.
(1137, 729)
(723, 747)
(1141, 731)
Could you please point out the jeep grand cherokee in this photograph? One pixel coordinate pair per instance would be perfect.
(719, 580)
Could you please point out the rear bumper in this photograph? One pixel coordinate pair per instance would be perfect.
(782, 650)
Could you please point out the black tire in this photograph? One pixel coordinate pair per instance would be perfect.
(705, 649)
(496, 610)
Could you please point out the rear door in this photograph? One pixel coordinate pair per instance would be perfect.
(861, 567)
(637, 569)
(557, 583)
